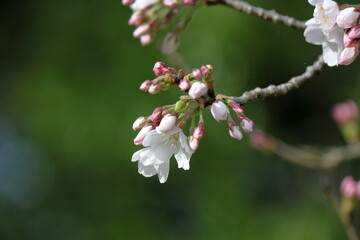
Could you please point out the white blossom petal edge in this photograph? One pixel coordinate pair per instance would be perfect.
(155, 158)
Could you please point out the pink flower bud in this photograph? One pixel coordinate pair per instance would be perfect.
(246, 124)
(347, 18)
(141, 30)
(189, 2)
(199, 131)
(344, 112)
(348, 55)
(167, 123)
(219, 110)
(170, 3)
(127, 2)
(159, 69)
(197, 89)
(154, 89)
(136, 19)
(259, 139)
(348, 187)
(145, 85)
(184, 84)
(193, 143)
(142, 134)
(353, 32)
(235, 132)
(206, 70)
(348, 42)
(196, 73)
(145, 39)
(236, 107)
(139, 123)
(156, 115)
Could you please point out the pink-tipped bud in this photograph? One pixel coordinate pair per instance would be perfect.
(142, 134)
(344, 112)
(156, 115)
(170, 43)
(154, 89)
(127, 2)
(206, 70)
(170, 3)
(184, 84)
(167, 123)
(139, 123)
(235, 132)
(347, 18)
(236, 107)
(145, 85)
(348, 55)
(197, 89)
(159, 69)
(353, 32)
(199, 131)
(348, 42)
(141, 30)
(219, 110)
(196, 73)
(348, 187)
(246, 124)
(193, 143)
(136, 19)
(145, 39)
(189, 2)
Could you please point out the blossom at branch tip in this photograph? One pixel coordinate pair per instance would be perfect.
(139, 123)
(197, 90)
(142, 134)
(184, 84)
(219, 110)
(348, 187)
(246, 124)
(155, 158)
(348, 55)
(235, 132)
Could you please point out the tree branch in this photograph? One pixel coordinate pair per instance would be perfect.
(270, 15)
(272, 90)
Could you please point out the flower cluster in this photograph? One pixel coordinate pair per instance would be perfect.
(151, 15)
(345, 112)
(161, 133)
(337, 29)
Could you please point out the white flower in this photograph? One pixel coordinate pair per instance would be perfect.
(141, 4)
(325, 13)
(155, 158)
(331, 39)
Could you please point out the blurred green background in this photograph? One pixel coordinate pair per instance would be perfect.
(70, 72)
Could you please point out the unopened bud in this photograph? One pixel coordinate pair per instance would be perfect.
(344, 112)
(348, 55)
(170, 3)
(127, 2)
(197, 89)
(154, 89)
(167, 123)
(199, 132)
(145, 85)
(159, 69)
(235, 132)
(189, 2)
(219, 110)
(179, 105)
(236, 107)
(142, 134)
(136, 19)
(170, 43)
(347, 18)
(145, 39)
(354, 32)
(348, 187)
(246, 124)
(196, 73)
(261, 140)
(193, 143)
(206, 70)
(139, 123)
(141, 30)
(156, 115)
(184, 84)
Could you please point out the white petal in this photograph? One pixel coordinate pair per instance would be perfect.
(313, 34)
(146, 171)
(162, 153)
(137, 155)
(184, 144)
(330, 53)
(141, 4)
(152, 138)
(314, 2)
(163, 171)
(335, 35)
(183, 159)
